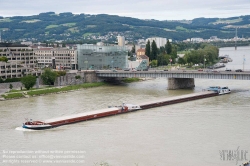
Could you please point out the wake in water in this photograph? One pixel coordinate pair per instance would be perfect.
(23, 129)
(239, 90)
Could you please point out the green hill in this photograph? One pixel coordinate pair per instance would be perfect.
(68, 26)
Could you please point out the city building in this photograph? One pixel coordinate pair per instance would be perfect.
(160, 42)
(21, 60)
(121, 40)
(140, 51)
(196, 40)
(64, 58)
(101, 57)
(141, 56)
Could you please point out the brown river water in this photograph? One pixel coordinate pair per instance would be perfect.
(211, 131)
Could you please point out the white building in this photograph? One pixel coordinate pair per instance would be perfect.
(21, 60)
(121, 40)
(160, 42)
(196, 40)
(64, 58)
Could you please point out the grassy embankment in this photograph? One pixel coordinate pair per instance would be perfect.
(129, 80)
(13, 96)
(37, 92)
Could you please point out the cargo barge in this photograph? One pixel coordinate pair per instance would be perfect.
(55, 122)
(178, 99)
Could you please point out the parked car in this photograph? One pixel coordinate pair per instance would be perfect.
(238, 70)
(228, 70)
(126, 69)
(200, 69)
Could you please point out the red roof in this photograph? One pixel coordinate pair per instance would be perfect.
(141, 50)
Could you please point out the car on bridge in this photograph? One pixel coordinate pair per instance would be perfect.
(126, 69)
(228, 70)
(238, 70)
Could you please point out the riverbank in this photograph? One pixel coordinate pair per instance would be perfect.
(50, 90)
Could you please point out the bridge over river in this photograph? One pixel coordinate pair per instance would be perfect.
(176, 78)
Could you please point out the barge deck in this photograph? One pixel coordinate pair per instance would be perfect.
(50, 123)
(177, 99)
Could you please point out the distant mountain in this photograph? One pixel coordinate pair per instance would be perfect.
(68, 26)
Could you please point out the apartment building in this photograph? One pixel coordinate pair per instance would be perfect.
(160, 42)
(63, 58)
(121, 40)
(21, 60)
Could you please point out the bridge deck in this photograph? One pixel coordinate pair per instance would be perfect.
(176, 74)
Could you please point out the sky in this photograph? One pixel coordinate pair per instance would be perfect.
(142, 9)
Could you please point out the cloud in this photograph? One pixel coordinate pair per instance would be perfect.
(146, 9)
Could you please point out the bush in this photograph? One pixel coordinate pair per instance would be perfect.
(77, 77)
(10, 80)
(11, 86)
(49, 77)
(28, 81)
(60, 73)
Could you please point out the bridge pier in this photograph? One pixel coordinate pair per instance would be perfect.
(90, 76)
(180, 83)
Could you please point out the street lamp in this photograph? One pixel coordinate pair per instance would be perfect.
(86, 63)
(244, 59)
(204, 62)
(112, 62)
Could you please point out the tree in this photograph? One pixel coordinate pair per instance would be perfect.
(148, 50)
(153, 63)
(28, 81)
(181, 61)
(11, 86)
(3, 59)
(168, 47)
(163, 59)
(48, 77)
(154, 50)
(133, 49)
(173, 53)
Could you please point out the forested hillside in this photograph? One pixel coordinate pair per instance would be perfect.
(68, 26)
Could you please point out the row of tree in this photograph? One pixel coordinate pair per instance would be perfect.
(197, 54)
(161, 56)
(207, 54)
